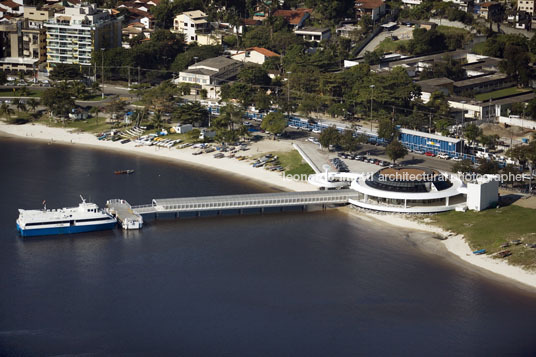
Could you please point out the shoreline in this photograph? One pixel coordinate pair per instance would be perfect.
(459, 248)
(227, 166)
(454, 244)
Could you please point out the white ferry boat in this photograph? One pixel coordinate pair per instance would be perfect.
(87, 217)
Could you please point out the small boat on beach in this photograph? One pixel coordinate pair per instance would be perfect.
(480, 251)
(504, 253)
(124, 172)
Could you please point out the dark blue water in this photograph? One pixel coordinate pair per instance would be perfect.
(315, 284)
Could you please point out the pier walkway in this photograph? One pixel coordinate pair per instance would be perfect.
(122, 210)
(247, 201)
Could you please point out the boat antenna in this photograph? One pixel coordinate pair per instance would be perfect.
(83, 200)
(44, 205)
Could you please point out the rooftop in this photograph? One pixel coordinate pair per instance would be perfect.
(292, 16)
(215, 62)
(368, 4)
(482, 79)
(430, 136)
(194, 14)
(313, 29)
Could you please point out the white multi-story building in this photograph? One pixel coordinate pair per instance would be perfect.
(411, 2)
(74, 35)
(526, 5)
(191, 23)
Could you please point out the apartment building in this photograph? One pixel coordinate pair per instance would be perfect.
(73, 36)
(191, 24)
(23, 40)
(526, 5)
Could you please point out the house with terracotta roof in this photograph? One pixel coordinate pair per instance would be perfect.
(373, 8)
(486, 8)
(256, 55)
(137, 15)
(12, 7)
(296, 17)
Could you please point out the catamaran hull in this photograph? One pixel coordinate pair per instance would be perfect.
(65, 230)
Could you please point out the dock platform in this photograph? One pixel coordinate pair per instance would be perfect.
(124, 213)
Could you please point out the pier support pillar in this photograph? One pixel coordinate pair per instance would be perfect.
(447, 201)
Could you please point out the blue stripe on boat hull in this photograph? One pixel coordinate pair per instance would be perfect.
(64, 230)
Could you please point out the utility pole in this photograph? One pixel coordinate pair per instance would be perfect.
(102, 71)
(288, 94)
(128, 67)
(371, 99)
(139, 75)
(430, 124)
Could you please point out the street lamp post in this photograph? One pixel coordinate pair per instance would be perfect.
(371, 99)
(195, 79)
(288, 94)
(102, 71)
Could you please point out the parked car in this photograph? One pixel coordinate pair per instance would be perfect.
(418, 152)
(429, 153)
(443, 156)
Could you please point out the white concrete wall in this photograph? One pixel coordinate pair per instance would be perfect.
(483, 194)
(252, 57)
(523, 123)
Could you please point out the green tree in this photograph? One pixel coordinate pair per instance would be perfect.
(63, 71)
(5, 109)
(20, 105)
(472, 132)
(329, 136)
(489, 141)
(58, 100)
(191, 113)
(486, 166)
(395, 150)
(194, 54)
(33, 103)
(348, 142)
(3, 78)
(387, 129)
(274, 122)
(516, 64)
(254, 75)
(464, 166)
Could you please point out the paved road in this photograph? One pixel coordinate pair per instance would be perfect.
(402, 32)
(322, 157)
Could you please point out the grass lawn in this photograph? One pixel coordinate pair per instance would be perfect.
(388, 45)
(500, 93)
(448, 30)
(93, 98)
(479, 48)
(293, 163)
(16, 93)
(491, 228)
(92, 125)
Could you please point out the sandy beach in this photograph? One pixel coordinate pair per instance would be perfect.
(455, 244)
(226, 165)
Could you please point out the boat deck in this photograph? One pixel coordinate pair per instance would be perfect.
(121, 209)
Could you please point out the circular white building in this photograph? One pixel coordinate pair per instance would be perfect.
(409, 190)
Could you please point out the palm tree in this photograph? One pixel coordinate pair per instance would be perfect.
(23, 92)
(6, 110)
(33, 103)
(95, 111)
(157, 120)
(16, 103)
(21, 106)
